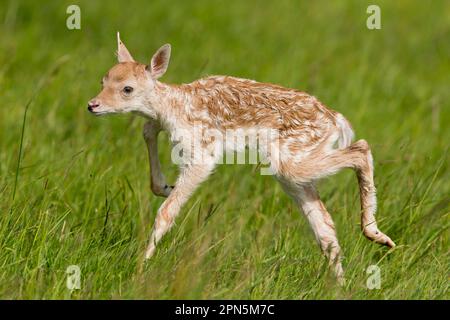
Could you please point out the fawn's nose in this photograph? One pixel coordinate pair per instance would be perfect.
(92, 105)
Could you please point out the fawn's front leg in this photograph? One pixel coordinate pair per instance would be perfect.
(190, 177)
(157, 180)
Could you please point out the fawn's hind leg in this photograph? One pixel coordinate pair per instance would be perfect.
(307, 198)
(358, 157)
(367, 193)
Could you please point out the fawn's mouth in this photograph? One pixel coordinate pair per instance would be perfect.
(96, 112)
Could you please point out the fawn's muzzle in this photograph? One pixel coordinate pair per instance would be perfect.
(92, 105)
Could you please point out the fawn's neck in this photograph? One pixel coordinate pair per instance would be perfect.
(167, 104)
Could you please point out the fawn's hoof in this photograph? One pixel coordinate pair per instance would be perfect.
(162, 191)
(379, 237)
(149, 253)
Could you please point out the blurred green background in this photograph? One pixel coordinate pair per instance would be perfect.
(76, 191)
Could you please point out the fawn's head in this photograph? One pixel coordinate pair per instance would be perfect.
(128, 86)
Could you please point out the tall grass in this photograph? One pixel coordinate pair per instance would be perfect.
(74, 189)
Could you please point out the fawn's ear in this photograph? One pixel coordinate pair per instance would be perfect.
(160, 62)
(123, 55)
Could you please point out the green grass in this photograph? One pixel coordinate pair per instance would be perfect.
(76, 191)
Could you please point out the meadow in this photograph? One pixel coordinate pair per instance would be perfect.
(74, 189)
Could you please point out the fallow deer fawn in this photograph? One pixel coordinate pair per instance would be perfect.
(312, 141)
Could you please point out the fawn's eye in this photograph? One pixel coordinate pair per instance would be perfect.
(128, 90)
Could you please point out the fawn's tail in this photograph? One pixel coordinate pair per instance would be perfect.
(346, 133)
